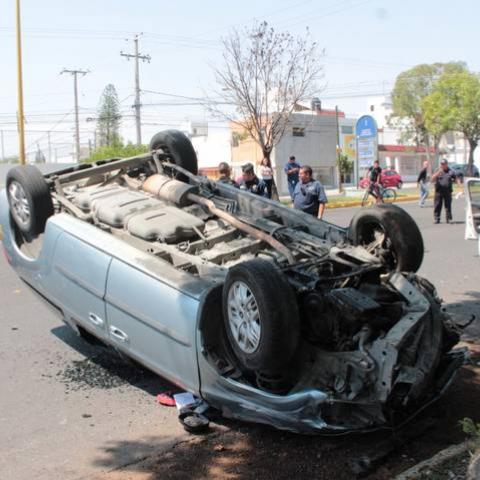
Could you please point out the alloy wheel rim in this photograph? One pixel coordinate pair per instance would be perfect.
(243, 317)
(19, 203)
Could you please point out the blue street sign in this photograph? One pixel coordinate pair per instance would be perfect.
(366, 127)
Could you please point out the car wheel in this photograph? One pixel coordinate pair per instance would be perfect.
(399, 185)
(29, 199)
(179, 150)
(261, 316)
(391, 233)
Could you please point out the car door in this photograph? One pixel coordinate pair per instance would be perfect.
(387, 178)
(154, 322)
(77, 279)
(473, 208)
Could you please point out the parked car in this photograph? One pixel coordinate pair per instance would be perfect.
(461, 170)
(265, 312)
(389, 178)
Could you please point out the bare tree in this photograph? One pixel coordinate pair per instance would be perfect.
(264, 75)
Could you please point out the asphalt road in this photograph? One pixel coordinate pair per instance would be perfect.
(69, 411)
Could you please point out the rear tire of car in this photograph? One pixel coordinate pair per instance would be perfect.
(29, 199)
(179, 150)
(402, 235)
(399, 185)
(260, 316)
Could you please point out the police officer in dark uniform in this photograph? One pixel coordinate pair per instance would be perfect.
(251, 183)
(443, 179)
(225, 172)
(309, 194)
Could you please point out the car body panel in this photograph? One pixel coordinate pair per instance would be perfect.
(158, 322)
(472, 223)
(79, 286)
(389, 178)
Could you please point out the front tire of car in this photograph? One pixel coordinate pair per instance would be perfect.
(260, 316)
(402, 241)
(29, 199)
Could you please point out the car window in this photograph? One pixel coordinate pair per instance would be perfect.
(474, 192)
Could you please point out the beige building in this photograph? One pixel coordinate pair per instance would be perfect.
(311, 136)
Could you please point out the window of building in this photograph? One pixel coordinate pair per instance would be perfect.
(298, 131)
(324, 174)
(346, 129)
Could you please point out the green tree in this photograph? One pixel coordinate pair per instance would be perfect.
(345, 167)
(108, 117)
(454, 104)
(10, 159)
(116, 151)
(410, 89)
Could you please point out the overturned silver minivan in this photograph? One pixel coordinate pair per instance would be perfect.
(267, 313)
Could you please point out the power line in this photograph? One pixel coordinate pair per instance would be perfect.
(48, 131)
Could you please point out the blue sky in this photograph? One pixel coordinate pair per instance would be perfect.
(367, 43)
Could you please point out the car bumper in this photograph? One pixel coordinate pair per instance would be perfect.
(309, 411)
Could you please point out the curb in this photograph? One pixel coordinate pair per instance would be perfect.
(357, 203)
(440, 457)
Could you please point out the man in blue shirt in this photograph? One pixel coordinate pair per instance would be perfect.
(309, 194)
(292, 169)
(251, 183)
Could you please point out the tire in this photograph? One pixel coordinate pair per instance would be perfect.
(178, 148)
(270, 306)
(399, 185)
(389, 195)
(29, 199)
(365, 199)
(403, 240)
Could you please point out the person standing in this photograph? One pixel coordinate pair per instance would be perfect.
(423, 184)
(292, 169)
(309, 194)
(443, 179)
(374, 174)
(266, 174)
(225, 173)
(250, 182)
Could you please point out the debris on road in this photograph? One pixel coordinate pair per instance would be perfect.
(193, 422)
(166, 399)
(184, 400)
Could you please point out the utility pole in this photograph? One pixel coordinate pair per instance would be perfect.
(75, 73)
(20, 115)
(337, 149)
(49, 148)
(145, 58)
